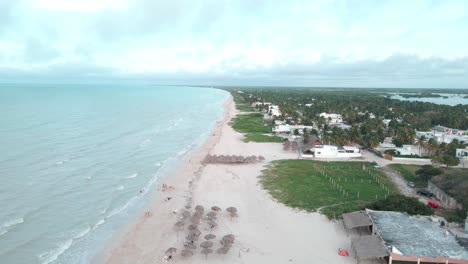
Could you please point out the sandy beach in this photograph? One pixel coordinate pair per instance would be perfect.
(265, 231)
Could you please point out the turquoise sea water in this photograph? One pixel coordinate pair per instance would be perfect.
(74, 158)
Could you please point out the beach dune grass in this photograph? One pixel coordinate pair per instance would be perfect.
(300, 184)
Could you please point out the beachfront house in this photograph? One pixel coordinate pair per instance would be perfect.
(331, 151)
(286, 129)
(411, 150)
(332, 118)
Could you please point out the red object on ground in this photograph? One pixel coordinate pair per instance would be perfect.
(432, 204)
(344, 253)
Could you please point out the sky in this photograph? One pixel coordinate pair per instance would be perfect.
(337, 43)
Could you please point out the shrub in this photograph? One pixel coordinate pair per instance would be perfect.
(401, 203)
(426, 172)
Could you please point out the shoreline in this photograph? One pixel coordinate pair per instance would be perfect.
(177, 178)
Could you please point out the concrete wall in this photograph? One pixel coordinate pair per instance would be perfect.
(446, 199)
(425, 161)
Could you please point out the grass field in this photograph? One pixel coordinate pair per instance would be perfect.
(255, 128)
(332, 187)
(408, 173)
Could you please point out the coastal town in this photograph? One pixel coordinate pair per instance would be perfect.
(412, 159)
(270, 186)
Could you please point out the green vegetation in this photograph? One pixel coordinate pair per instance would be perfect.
(240, 104)
(423, 95)
(358, 108)
(251, 123)
(454, 182)
(262, 138)
(332, 187)
(401, 203)
(409, 174)
(446, 160)
(255, 128)
(426, 172)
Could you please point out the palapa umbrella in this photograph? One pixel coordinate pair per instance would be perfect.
(178, 226)
(185, 213)
(195, 232)
(233, 214)
(191, 238)
(206, 244)
(186, 253)
(207, 251)
(223, 250)
(231, 209)
(212, 224)
(227, 240)
(210, 236)
(229, 237)
(199, 208)
(190, 245)
(195, 219)
(215, 208)
(226, 243)
(192, 227)
(171, 251)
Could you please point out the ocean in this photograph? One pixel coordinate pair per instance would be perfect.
(77, 162)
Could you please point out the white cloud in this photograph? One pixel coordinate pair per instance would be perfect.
(230, 38)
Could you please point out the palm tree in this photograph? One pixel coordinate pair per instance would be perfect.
(421, 143)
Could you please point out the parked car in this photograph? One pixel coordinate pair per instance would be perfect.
(433, 204)
(411, 184)
(425, 193)
(378, 166)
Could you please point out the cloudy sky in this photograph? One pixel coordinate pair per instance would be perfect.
(252, 42)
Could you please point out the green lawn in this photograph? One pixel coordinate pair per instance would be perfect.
(301, 184)
(261, 138)
(408, 173)
(244, 108)
(250, 123)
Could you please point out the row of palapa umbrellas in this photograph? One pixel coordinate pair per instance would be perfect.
(232, 159)
(194, 232)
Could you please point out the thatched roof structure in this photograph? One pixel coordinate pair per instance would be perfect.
(367, 247)
(356, 219)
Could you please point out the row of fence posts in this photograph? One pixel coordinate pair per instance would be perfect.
(346, 193)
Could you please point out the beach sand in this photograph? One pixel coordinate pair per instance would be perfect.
(266, 231)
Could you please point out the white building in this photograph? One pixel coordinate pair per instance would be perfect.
(274, 110)
(332, 118)
(332, 151)
(386, 122)
(308, 105)
(411, 150)
(290, 128)
(254, 104)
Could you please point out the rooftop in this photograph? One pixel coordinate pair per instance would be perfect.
(416, 235)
